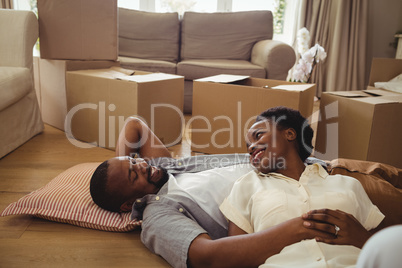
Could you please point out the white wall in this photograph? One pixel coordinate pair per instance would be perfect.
(385, 19)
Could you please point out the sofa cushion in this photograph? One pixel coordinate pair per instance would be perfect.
(233, 35)
(148, 65)
(382, 183)
(149, 35)
(15, 83)
(194, 69)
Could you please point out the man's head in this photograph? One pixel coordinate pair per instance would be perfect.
(277, 133)
(119, 181)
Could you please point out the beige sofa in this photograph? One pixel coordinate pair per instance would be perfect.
(20, 117)
(202, 44)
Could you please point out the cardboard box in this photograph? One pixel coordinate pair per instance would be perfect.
(78, 29)
(224, 109)
(99, 101)
(362, 125)
(50, 83)
(384, 69)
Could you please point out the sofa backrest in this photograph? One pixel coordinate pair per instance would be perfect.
(229, 35)
(149, 35)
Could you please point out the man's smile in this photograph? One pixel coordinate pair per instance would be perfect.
(153, 173)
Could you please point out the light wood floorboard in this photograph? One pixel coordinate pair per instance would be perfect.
(26, 241)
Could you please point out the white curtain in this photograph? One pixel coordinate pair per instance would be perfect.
(341, 28)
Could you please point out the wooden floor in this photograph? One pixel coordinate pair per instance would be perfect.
(30, 242)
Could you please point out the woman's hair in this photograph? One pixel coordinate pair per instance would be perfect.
(99, 192)
(289, 118)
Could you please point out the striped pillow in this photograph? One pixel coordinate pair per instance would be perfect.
(67, 199)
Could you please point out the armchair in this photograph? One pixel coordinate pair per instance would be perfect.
(20, 117)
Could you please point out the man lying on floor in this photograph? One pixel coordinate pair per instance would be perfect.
(178, 201)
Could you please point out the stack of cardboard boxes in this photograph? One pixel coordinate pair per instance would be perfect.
(80, 35)
(73, 35)
(364, 124)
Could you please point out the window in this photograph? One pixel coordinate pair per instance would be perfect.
(241, 5)
(181, 6)
(130, 4)
(278, 8)
(284, 11)
(25, 5)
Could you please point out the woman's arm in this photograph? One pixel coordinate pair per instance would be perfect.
(233, 229)
(248, 250)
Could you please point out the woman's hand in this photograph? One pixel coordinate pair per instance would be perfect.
(350, 231)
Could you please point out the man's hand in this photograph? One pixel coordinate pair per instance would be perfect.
(350, 231)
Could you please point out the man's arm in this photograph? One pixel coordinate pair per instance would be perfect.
(248, 250)
(351, 230)
(137, 137)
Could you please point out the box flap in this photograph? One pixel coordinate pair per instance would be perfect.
(152, 77)
(110, 73)
(299, 87)
(380, 92)
(349, 94)
(380, 100)
(374, 92)
(223, 78)
(75, 65)
(122, 70)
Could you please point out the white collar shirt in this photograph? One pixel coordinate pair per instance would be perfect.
(259, 201)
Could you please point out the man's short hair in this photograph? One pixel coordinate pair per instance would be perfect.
(99, 192)
(284, 118)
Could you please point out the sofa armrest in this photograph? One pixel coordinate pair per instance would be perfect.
(275, 57)
(18, 34)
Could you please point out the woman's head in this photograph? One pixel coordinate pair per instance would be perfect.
(276, 132)
(119, 181)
